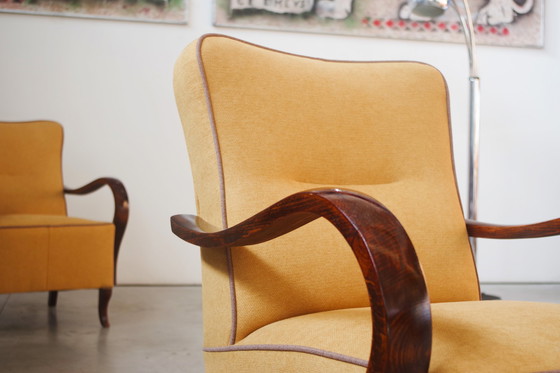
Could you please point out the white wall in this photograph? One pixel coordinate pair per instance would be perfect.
(110, 84)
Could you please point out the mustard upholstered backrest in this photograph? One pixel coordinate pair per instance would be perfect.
(31, 168)
(262, 124)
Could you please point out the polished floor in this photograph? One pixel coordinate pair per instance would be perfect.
(153, 329)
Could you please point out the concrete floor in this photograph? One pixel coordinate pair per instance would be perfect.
(153, 329)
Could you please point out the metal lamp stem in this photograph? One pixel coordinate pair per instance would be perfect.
(474, 112)
(434, 8)
(474, 128)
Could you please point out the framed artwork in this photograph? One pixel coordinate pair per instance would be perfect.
(517, 23)
(163, 11)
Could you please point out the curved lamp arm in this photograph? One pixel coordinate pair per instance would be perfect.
(485, 230)
(400, 306)
(120, 217)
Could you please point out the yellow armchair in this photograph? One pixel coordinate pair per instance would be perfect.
(331, 229)
(41, 248)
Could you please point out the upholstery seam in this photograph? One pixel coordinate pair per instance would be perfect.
(48, 257)
(53, 226)
(291, 348)
(217, 35)
(62, 134)
(451, 149)
(233, 296)
(217, 150)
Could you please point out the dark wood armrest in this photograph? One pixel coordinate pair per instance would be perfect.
(400, 307)
(485, 230)
(120, 217)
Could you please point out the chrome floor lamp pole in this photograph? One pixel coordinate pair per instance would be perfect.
(435, 8)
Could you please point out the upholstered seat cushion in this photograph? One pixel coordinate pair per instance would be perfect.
(502, 336)
(54, 252)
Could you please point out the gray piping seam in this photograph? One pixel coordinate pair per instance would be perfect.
(49, 237)
(54, 226)
(222, 188)
(291, 348)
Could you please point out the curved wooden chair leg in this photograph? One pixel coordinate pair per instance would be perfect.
(120, 220)
(104, 298)
(53, 298)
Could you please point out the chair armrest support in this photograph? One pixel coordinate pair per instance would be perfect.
(400, 306)
(120, 196)
(485, 230)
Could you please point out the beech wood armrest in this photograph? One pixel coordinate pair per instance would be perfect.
(120, 217)
(485, 230)
(400, 307)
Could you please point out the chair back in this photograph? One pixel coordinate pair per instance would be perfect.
(31, 168)
(262, 124)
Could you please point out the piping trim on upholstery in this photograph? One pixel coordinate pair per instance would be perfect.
(218, 153)
(54, 226)
(49, 251)
(291, 348)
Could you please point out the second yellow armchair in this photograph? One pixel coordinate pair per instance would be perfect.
(41, 248)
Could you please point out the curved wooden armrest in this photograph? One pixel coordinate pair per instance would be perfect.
(120, 217)
(400, 307)
(485, 230)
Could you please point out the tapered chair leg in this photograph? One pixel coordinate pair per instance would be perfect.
(104, 298)
(53, 298)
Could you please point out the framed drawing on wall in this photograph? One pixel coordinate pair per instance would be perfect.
(517, 23)
(162, 11)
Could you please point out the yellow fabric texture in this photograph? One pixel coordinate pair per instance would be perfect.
(31, 182)
(40, 247)
(261, 125)
(482, 337)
